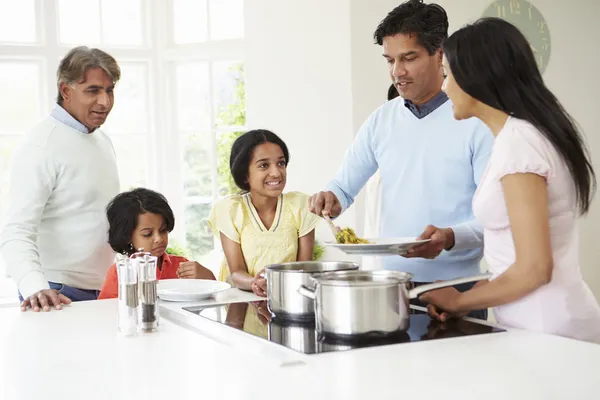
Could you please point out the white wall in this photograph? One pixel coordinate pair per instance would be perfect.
(299, 85)
(572, 76)
(314, 76)
(370, 79)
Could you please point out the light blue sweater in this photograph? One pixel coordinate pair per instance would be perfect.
(429, 169)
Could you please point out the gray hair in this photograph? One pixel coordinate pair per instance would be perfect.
(73, 66)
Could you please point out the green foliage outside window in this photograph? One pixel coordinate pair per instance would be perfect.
(199, 178)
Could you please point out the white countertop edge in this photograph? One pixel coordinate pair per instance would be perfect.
(238, 340)
(253, 345)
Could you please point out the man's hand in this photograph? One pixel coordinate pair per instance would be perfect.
(325, 203)
(44, 299)
(441, 239)
(193, 270)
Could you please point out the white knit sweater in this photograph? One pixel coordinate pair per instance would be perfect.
(55, 229)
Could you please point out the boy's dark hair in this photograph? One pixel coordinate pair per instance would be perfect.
(428, 21)
(123, 211)
(242, 150)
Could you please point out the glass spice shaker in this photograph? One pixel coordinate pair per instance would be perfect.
(146, 265)
(128, 308)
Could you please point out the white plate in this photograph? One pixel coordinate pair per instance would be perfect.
(379, 247)
(189, 289)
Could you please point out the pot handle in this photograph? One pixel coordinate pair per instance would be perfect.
(307, 292)
(414, 293)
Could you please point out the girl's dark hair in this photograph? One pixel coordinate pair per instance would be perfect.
(428, 22)
(492, 61)
(243, 149)
(123, 212)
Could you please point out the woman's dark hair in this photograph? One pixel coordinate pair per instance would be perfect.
(492, 61)
(428, 21)
(123, 212)
(243, 149)
(392, 93)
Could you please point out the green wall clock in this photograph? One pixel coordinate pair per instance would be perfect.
(530, 21)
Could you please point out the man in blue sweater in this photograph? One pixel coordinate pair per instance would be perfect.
(430, 164)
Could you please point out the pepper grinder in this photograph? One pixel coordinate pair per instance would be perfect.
(146, 266)
(128, 307)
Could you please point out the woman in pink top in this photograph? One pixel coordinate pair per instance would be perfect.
(539, 179)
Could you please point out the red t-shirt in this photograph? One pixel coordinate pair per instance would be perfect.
(170, 263)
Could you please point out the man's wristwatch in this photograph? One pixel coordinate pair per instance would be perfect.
(450, 233)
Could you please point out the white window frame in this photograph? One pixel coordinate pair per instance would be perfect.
(164, 169)
(171, 54)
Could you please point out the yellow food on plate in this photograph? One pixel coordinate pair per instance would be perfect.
(347, 236)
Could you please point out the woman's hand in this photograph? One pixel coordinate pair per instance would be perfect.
(443, 303)
(194, 270)
(442, 316)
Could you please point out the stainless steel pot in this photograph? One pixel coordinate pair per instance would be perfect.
(326, 343)
(284, 280)
(296, 336)
(352, 303)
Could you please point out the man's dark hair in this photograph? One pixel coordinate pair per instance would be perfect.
(428, 21)
(123, 212)
(392, 93)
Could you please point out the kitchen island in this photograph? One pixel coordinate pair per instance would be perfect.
(77, 353)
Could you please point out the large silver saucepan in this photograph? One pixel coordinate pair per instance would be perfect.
(284, 280)
(301, 337)
(352, 303)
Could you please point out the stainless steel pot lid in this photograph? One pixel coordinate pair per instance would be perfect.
(362, 278)
(313, 266)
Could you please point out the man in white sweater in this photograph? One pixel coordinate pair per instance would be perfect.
(54, 242)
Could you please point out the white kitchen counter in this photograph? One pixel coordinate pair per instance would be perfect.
(77, 354)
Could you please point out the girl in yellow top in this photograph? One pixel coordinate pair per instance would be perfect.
(262, 225)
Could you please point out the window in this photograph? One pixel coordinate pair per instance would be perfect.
(20, 105)
(208, 104)
(197, 21)
(178, 107)
(206, 181)
(94, 22)
(19, 25)
(226, 19)
(129, 125)
(22, 85)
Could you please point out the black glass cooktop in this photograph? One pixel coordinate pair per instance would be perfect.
(254, 318)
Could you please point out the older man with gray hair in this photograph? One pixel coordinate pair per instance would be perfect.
(54, 242)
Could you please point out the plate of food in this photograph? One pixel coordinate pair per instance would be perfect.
(349, 243)
(189, 289)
